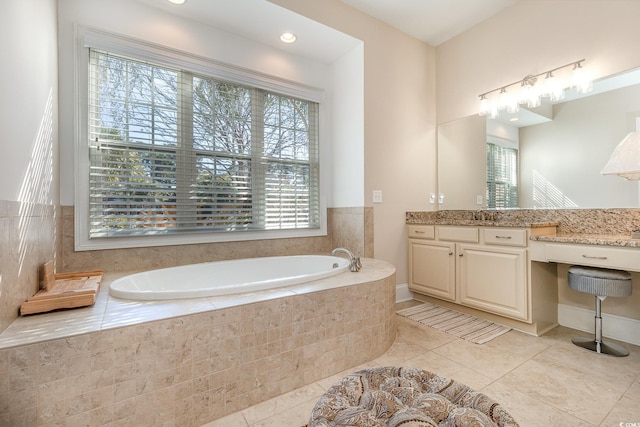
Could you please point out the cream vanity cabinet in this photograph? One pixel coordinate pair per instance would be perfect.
(478, 267)
(432, 267)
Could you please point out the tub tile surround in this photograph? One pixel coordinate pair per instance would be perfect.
(352, 228)
(189, 362)
(32, 234)
(28, 238)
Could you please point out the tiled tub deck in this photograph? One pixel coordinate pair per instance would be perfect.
(187, 362)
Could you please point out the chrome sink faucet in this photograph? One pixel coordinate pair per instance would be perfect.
(354, 261)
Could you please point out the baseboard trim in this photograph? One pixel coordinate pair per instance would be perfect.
(403, 293)
(614, 327)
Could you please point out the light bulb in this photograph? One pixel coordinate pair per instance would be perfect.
(530, 95)
(507, 101)
(484, 105)
(553, 87)
(581, 80)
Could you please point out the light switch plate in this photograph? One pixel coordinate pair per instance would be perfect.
(377, 196)
(432, 197)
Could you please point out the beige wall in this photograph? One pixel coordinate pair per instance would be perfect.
(28, 148)
(399, 121)
(531, 37)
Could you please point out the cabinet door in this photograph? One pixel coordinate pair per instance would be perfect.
(494, 279)
(432, 269)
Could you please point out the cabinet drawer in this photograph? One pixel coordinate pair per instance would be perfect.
(595, 256)
(505, 237)
(458, 234)
(422, 231)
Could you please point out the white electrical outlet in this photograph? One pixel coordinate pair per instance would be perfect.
(377, 196)
(478, 200)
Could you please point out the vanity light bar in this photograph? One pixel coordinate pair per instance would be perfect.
(532, 88)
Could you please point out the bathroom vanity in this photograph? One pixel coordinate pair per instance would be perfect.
(484, 268)
(505, 270)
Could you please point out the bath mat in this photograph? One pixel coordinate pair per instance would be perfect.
(455, 323)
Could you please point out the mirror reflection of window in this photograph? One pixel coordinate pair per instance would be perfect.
(502, 177)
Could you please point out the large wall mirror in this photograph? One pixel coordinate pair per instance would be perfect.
(557, 152)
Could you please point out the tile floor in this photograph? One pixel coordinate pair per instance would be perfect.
(545, 381)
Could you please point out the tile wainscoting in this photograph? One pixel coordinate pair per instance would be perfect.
(347, 227)
(28, 237)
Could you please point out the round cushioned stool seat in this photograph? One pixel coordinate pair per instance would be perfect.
(600, 281)
(411, 397)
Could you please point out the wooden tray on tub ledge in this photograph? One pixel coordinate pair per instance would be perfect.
(64, 290)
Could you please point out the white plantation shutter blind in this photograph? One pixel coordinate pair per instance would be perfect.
(172, 151)
(502, 176)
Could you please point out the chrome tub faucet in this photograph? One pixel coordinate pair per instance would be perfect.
(354, 261)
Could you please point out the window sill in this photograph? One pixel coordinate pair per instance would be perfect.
(85, 244)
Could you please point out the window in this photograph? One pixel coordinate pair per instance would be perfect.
(502, 176)
(172, 151)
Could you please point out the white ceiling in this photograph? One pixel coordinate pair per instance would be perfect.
(432, 21)
(262, 21)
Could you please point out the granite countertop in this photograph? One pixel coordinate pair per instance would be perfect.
(604, 227)
(591, 239)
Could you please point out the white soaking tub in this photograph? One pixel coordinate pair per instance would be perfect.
(226, 277)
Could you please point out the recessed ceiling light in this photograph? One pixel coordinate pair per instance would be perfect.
(288, 37)
(177, 1)
(514, 119)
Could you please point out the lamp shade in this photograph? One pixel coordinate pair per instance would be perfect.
(625, 159)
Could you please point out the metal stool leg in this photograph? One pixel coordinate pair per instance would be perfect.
(596, 344)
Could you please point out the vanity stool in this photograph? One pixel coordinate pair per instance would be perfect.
(602, 283)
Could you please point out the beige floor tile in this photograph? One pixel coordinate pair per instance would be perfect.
(530, 412)
(563, 334)
(617, 373)
(444, 367)
(625, 413)
(634, 390)
(292, 417)
(492, 362)
(400, 352)
(282, 403)
(233, 420)
(563, 388)
(519, 343)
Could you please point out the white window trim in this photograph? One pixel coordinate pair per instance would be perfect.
(86, 37)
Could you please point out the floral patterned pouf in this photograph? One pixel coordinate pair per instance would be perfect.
(406, 397)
